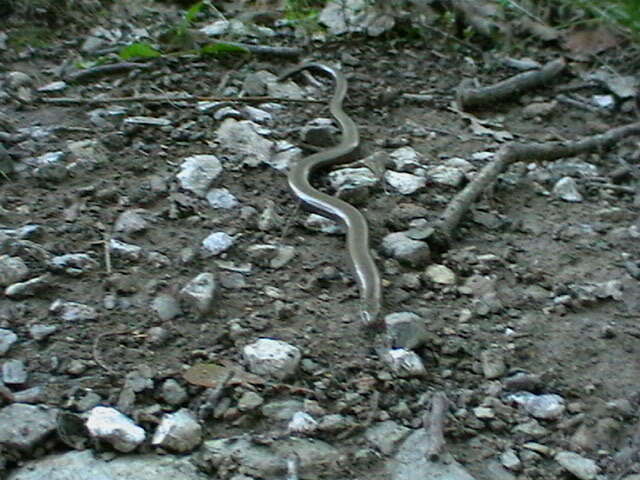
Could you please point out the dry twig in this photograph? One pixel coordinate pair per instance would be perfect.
(513, 153)
(470, 98)
(170, 99)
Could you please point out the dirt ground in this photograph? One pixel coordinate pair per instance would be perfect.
(535, 250)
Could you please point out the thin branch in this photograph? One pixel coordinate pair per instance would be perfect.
(512, 153)
(170, 99)
(470, 98)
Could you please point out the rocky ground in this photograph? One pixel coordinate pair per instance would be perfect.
(170, 312)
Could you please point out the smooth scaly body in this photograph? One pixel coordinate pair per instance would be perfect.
(364, 268)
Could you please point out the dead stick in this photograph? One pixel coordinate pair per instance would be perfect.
(99, 70)
(170, 99)
(434, 423)
(512, 153)
(470, 98)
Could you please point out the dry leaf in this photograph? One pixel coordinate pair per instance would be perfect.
(590, 42)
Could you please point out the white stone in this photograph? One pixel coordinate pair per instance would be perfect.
(110, 425)
(302, 422)
(581, 467)
(73, 311)
(178, 431)
(200, 291)
(198, 172)
(221, 198)
(441, 274)
(567, 190)
(271, 357)
(217, 242)
(405, 363)
(405, 183)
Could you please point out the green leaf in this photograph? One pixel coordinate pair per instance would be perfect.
(139, 50)
(221, 48)
(192, 13)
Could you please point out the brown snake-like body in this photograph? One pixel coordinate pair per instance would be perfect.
(364, 268)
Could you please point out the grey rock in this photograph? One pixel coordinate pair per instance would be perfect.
(411, 462)
(73, 311)
(14, 372)
(12, 270)
(440, 274)
(227, 112)
(302, 422)
(262, 461)
(74, 263)
(406, 159)
(273, 358)
(405, 363)
(216, 243)
(566, 189)
(83, 464)
(286, 89)
(581, 467)
(108, 424)
(200, 292)
(126, 251)
(531, 428)
(494, 471)
(386, 436)
(249, 401)
(7, 339)
(271, 255)
(510, 460)
(412, 252)
(166, 306)
(406, 330)
(446, 175)
(147, 121)
(17, 79)
(86, 154)
(132, 221)
(268, 218)
(335, 422)
(318, 223)
(539, 109)
(29, 288)
(24, 426)
(53, 87)
(255, 84)
(405, 183)
(257, 114)
(355, 16)
(173, 393)
(281, 409)
(319, 132)
(198, 172)
(41, 331)
(353, 183)
(31, 395)
(546, 406)
(236, 28)
(242, 139)
(178, 431)
(221, 198)
(493, 364)
(285, 155)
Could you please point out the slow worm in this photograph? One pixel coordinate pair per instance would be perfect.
(364, 268)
